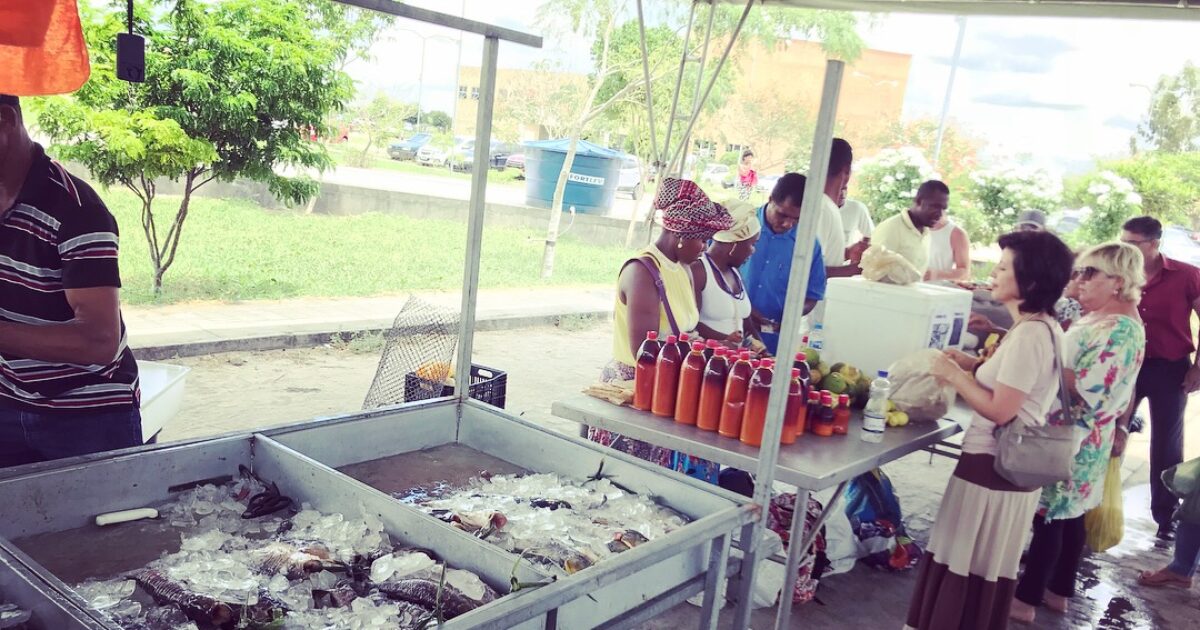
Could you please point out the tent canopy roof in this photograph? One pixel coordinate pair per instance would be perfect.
(1123, 9)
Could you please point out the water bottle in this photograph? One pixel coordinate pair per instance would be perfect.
(875, 414)
(816, 338)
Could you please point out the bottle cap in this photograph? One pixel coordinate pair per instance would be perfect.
(814, 396)
(795, 372)
(652, 335)
(684, 337)
(712, 343)
(755, 363)
(697, 346)
(800, 356)
(745, 356)
(826, 397)
(672, 339)
(844, 400)
(819, 327)
(882, 373)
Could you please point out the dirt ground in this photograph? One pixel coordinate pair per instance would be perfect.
(246, 390)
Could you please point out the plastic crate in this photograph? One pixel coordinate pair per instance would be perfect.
(488, 385)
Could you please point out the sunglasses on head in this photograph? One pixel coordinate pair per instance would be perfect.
(1085, 273)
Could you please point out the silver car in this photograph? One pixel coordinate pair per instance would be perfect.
(630, 179)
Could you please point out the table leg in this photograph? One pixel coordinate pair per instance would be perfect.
(718, 560)
(745, 578)
(795, 551)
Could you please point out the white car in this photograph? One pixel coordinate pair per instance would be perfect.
(630, 179)
(430, 155)
(715, 174)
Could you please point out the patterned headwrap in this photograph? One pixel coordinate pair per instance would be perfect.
(688, 212)
(745, 222)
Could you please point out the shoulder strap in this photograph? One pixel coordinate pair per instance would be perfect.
(662, 291)
(1064, 395)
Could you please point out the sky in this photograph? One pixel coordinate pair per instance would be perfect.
(1054, 92)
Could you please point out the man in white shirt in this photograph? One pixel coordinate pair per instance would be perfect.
(907, 233)
(840, 261)
(856, 219)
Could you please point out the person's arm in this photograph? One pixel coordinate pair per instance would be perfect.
(999, 405)
(845, 271)
(641, 299)
(960, 245)
(1191, 380)
(92, 337)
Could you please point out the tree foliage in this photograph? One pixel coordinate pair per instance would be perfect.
(379, 118)
(1172, 124)
(960, 150)
(233, 90)
(1169, 184)
(1000, 194)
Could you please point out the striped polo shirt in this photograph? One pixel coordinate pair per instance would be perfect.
(58, 236)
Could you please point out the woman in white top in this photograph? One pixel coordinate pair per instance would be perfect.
(949, 252)
(720, 292)
(968, 575)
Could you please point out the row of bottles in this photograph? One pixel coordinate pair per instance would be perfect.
(723, 390)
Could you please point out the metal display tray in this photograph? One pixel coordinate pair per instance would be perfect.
(416, 445)
(51, 611)
(49, 513)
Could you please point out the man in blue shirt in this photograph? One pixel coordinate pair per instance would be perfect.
(766, 272)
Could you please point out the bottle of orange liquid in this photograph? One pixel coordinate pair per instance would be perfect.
(710, 349)
(712, 391)
(823, 424)
(841, 416)
(812, 411)
(643, 371)
(793, 418)
(756, 404)
(734, 403)
(666, 379)
(687, 404)
(685, 346)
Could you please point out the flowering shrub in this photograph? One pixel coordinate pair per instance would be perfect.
(887, 182)
(1001, 194)
(1112, 201)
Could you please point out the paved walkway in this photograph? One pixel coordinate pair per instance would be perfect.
(231, 326)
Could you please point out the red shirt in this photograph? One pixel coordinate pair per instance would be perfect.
(1166, 310)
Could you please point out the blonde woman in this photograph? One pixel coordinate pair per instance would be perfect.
(1102, 354)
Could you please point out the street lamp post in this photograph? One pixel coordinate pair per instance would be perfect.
(421, 73)
(937, 147)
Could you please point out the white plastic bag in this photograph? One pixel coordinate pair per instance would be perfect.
(880, 264)
(915, 391)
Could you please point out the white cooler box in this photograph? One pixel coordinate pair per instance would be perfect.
(871, 324)
(162, 394)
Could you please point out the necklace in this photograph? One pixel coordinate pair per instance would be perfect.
(721, 279)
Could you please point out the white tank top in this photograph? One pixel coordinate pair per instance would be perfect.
(941, 253)
(723, 311)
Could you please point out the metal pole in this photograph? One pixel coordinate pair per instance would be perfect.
(462, 12)
(937, 147)
(793, 311)
(421, 82)
(696, 102)
(655, 154)
(483, 134)
(683, 57)
(720, 65)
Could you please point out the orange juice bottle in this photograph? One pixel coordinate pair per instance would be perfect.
(734, 405)
(712, 391)
(756, 404)
(666, 379)
(687, 404)
(643, 371)
(793, 418)
(841, 416)
(823, 424)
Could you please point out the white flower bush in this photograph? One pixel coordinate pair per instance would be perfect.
(1112, 200)
(888, 181)
(1001, 194)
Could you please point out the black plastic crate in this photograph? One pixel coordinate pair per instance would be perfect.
(488, 385)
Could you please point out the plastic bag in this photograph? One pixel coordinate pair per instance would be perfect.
(880, 264)
(915, 391)
(1105, 523)
(874, 513)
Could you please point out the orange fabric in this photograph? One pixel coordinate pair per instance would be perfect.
(41, 47)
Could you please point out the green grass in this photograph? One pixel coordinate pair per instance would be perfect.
(233, 249)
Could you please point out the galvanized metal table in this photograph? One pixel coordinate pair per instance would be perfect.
(811, 464)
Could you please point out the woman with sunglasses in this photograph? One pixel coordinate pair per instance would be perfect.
(967, 576)
(1102, 354)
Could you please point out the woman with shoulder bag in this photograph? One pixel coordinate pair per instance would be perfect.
(1102, 355)
(968, 575)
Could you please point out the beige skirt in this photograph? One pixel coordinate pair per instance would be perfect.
(968, 575)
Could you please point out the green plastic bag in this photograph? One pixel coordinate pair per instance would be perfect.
(1105, 523)
(1183, 481)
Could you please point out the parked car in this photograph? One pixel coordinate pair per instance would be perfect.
(766, 183)
(430, 155)
(407, 149)
(517, 161)
(715, 174)
(1178, 244)
(630, 178)
(463, 156)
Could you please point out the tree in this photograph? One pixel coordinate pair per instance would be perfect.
(1173, 123)
(618, 77)
(379, 118)
(233, 90)
(1002, 193)
(437, 119)
(960, 150)
(1169, 184)
(546, 95)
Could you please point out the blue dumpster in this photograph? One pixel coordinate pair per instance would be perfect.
(591, 185)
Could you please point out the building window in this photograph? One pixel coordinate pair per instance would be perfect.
(475, 94)
(734, 148)
(462, 92)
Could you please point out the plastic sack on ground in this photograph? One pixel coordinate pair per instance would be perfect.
(876, 519)
(880, 264)
(1105, 523)
(915, 391)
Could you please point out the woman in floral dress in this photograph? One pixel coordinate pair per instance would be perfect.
(1102, 353)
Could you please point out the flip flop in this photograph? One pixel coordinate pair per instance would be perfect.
(1164, 577)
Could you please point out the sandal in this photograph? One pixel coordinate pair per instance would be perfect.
(1164, 577)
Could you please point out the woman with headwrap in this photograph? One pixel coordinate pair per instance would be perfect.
(656, 292)
(724, 304)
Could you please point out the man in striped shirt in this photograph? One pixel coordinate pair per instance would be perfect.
(68, 382)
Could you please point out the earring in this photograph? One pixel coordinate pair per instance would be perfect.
(733, 250)
(679, 245)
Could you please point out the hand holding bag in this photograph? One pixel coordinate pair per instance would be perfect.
(1031, 455)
